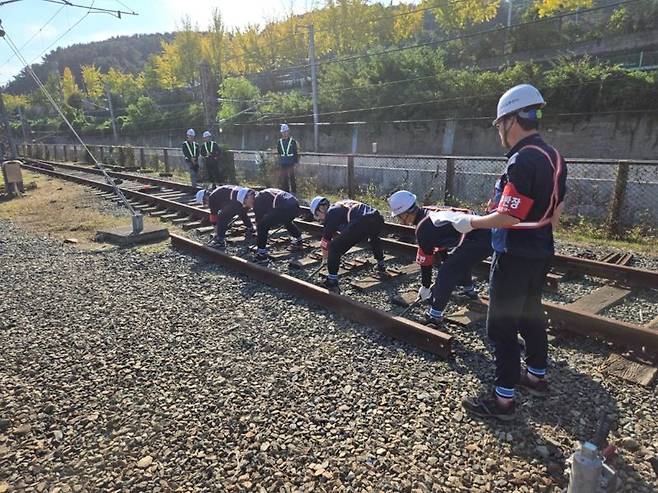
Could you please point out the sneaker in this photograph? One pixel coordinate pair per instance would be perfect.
(433, 318)
(217, 244)
(296, 245)
(538, 388)
(330, 284)
(261, 258)
(487, 406)
(469, 293)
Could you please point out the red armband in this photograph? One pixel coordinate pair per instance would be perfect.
(324, 243)
(423, 259)
(513, 203)
(213, 218)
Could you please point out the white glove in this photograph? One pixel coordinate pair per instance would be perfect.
(424, 293)
(463, 223)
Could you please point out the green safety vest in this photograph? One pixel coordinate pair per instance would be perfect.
(193, 150)
(286, 151)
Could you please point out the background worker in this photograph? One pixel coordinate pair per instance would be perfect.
(288, 157)
(526, 206)
(225, 203)
(191, 155)
(211, 151)
(435, 233)
(272, 208)
(355, 221)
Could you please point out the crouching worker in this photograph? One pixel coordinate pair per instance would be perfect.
(435, 233)
(355, 222)
(225, 203)
(272, 208)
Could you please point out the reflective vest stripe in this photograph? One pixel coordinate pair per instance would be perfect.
(286, 152)
(191, 151)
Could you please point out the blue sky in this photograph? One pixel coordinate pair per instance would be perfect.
(27, 19)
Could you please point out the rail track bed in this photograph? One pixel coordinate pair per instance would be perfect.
(605, 298)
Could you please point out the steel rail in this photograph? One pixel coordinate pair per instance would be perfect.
(561, 263)
(420, 336)
(570, 319)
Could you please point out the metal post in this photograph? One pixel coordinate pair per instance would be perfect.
(166, 160)
(355, 137)
(350, 176)
(64, 151)
(314, 86)
(24, 127)
(142, 158)
(449, 191)
(614, 213)
(115, 136)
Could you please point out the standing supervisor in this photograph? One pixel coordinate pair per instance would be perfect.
(526, 206)
(210, 151)
(191, 155)
(288, 157)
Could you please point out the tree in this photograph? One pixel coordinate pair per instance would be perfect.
(550, 7)
(69, 85)
(214, 43)
(238, 96)
(93, 81)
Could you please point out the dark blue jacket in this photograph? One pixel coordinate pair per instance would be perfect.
(343, 213)
(272, 198)
(532, 186)
(224, 199)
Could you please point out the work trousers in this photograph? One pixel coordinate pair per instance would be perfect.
(193, 169)
(277, 217)
(212, 169)
(456, 271)
(515, 288)
(366, 227)
(287, 179)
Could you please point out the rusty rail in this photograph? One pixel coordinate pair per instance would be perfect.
(420, 336)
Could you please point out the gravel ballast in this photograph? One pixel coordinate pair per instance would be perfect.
(127, 370)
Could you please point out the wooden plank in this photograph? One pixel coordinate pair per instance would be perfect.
(629, 370)
(466, 316)
(653, 324)
(372, 282)
(600, 299)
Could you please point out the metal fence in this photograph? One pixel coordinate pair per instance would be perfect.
(618, 193)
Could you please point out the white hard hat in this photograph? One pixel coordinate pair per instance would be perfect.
(242, 194)
(517, 98)
(207, 134)
(316, 202)
(401, 201)
(284, 128)
(190, 132)
(200, 195)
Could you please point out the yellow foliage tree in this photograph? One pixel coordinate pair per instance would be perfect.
(93, 81)
(69, 85)
(550, 7)
(456, 15)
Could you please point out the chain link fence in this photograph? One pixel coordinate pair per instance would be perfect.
(617, 193)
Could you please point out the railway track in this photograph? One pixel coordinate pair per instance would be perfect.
(173, 201)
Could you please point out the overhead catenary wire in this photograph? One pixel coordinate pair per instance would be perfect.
(52, 101)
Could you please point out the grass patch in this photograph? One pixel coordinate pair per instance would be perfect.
(63, 210)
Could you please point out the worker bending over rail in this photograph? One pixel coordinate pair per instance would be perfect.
(526, 206)
(355, 222)
(272, 208)
(225, 203)
(435, 234)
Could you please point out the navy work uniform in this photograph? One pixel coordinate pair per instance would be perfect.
(532, 186)
(274, 207)
(434, 235)
(211, 151)
(191, 155)
(288, 158)
(224, 206)
(355, 221)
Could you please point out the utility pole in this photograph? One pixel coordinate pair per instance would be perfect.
(314, 86)
(111, 108)
(209, 95)
(510, 6)
(24, 125)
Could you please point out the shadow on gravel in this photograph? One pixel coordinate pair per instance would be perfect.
(547, 429)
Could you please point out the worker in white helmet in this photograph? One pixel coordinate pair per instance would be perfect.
(191, 155)
(211, 151)
(435, 234)
(225, 203)
(346, 223)
(526, 206)
(288, 151)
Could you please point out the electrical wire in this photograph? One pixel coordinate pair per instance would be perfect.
(52, 101)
